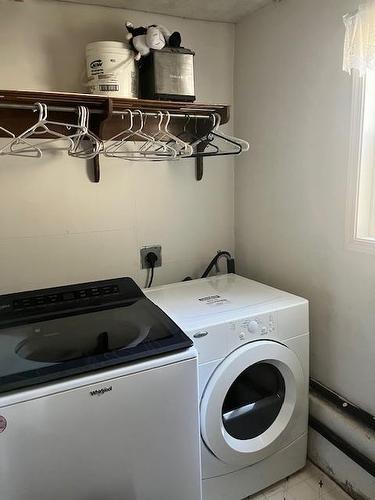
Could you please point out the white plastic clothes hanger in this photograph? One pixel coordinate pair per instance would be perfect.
(121, 148)
(33, 152)
(112, 150)
(145, 151)
(41, 128)
(186, 135)
(182, 148)
(95, 144)
(164, 151)
(9, 134)
(77, 141)
(186, 149)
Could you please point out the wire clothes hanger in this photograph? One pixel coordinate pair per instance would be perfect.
(202, 143)
(245, 145)
(206, 141)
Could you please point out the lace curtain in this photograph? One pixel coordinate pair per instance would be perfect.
(359, 47)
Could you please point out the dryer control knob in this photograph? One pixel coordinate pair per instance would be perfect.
(254, 328)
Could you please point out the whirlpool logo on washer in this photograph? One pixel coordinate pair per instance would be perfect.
(100, 392)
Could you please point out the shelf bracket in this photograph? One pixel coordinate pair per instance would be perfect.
(98, 127)
(199, 160)
(199, 168)
(96, 169)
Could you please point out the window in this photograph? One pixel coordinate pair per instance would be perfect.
(361, 200)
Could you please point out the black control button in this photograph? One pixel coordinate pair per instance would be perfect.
(68, 296)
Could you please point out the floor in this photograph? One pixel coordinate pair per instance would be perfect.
(308, 484)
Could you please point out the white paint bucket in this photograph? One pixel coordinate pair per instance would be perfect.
(111, 70)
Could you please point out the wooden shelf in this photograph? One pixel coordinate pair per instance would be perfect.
(97, 103)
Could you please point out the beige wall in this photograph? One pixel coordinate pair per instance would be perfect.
(293, 104)
(57, 227)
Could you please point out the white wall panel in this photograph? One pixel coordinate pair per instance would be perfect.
(56, 226)
(293, 103)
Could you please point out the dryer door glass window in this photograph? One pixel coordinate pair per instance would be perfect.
(253, 401)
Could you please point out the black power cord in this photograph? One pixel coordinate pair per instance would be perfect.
(230, 263)
(231, 268)
(151, 259)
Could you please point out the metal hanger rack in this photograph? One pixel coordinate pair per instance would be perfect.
(94, 126)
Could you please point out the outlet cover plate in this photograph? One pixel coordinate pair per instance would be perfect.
(145, 250)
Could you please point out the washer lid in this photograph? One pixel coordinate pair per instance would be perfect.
(197, 303)
(55, 333)
(251, 402)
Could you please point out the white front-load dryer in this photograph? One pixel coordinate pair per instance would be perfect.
(253, 356)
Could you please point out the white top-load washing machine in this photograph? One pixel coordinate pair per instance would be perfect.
(98, 397)
(253, 356)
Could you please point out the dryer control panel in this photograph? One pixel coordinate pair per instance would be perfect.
(254, 328)
(218, 341)
(260, 325)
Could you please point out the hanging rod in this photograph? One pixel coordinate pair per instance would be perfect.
(68, 109)
(32, 107)
(183, 114)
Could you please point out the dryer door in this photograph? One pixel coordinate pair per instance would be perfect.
(251, 403)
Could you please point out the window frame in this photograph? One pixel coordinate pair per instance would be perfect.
(353, 240)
